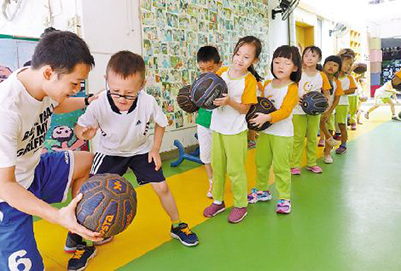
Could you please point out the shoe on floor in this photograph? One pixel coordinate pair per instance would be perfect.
(341, 150)
(283, 206)
(315, 169)
(328, 159)
(257, 195)
(296, 171)
(337, 136)
(237, 214)
(184, 235)
(81, 257)
(321, 143)
(72, 242)
(353, 126)
(332, 142)
(214, 209)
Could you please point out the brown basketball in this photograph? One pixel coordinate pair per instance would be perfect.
(206, 88)
(264, 106)
(108, 204)
(184, 100)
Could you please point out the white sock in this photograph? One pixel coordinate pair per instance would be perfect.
(217, 202)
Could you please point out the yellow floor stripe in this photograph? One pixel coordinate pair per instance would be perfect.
(151, 226)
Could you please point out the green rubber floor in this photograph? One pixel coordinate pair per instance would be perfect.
(348, 218)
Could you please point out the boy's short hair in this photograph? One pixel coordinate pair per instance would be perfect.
(208, 53)
(126, 64)
(62, 50)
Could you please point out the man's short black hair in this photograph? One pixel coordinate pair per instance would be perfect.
(208, 53)
(62, 50)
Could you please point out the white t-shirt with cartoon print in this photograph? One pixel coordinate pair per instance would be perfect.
(24, 123)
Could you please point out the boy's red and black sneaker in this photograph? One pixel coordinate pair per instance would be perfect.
(73, 240)
(81, 257)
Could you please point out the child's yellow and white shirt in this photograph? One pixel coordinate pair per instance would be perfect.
(317, 82)
(285, 99)
(347, 82)
(225, 119)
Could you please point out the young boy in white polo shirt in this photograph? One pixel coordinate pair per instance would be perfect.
(123, 114)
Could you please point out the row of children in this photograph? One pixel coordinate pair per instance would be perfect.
(223, 132)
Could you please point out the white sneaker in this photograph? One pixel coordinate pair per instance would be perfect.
(332, 142)
(328, 159)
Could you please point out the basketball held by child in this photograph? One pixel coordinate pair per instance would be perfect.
(208, 87)
(314, 103)
(264, 106)
(360, 68)
(108, 204)
(184, 100)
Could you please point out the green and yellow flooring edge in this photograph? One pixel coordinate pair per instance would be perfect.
(344, 219)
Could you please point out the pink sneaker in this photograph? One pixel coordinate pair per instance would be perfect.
(296, 171)
(321, 143)
(214, 209)
(315, 169)
(237, 214)
(283, 206)
(353, 126)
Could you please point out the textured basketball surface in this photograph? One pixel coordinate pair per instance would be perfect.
(314, 103)
(108, 204)
(360, 68)
(184, 100)
(208, 87)
(264, 106)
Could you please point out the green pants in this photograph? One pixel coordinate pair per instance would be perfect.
(305, 125)
(353, 107)
(277, 150)
(229, 157)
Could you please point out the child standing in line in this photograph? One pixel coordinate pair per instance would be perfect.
(208, 59)
(308, 125)
(331, 67)
(349, 86)
(123, 114)
(230, 128)
(275, 143)
(383, 96)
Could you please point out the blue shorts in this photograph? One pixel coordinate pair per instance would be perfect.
(144, 171)
(18, 250)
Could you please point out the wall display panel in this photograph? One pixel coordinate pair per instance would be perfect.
(172, 33)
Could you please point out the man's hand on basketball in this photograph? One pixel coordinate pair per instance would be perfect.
(88, 132)
(67, 219)
(222, 101)
(155, 156)
(260, 119)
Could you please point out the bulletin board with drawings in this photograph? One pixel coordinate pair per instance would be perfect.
(15, 53)
(174, 30)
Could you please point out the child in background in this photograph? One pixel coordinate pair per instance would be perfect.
(308, 125)
(383, 96)
(275, 143)
(208, 59)
(396, 79)
(123, 114)
(230, 128)
(348, 85)
(331, 67)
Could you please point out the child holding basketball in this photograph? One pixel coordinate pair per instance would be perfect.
(308, 125)
(208, 59)
(123, 114)
(275, 143)
(349, 86)
(230, 128)
(30, 181)
(331, 67)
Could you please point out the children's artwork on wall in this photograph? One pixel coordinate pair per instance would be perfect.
(173, 32)
(16, 53)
